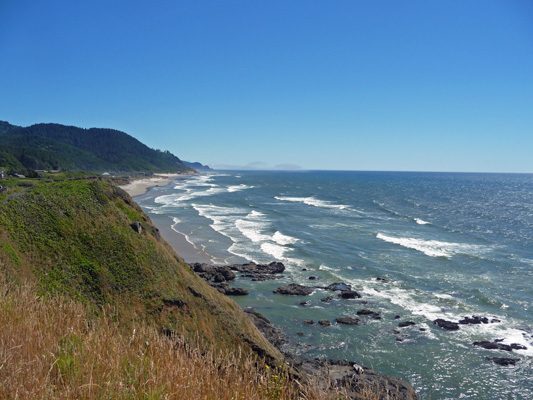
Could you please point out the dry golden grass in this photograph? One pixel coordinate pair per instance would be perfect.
(55, 348)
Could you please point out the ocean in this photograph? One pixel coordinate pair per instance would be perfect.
(443, 245)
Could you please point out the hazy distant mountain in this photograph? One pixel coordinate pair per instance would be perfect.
(55, 146)
(197, 166)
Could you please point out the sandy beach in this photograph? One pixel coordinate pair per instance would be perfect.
(141, 186)
(177, 240)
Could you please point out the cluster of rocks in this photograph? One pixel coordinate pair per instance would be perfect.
(473, 320)
(219, 276)
(347, 375)
(494, 345)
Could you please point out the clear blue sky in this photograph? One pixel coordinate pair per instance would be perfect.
(351, 85)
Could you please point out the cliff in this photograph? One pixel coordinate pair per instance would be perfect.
(89, 240)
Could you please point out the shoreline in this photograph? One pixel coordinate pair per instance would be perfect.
(138, 187)
(185, 249)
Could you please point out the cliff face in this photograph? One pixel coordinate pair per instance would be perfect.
(90, 240)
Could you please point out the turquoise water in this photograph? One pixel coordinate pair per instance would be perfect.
(449, 245)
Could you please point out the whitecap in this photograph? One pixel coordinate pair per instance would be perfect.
(238, 188)
(253, 230)
(421, 221)
(312, 201)
(282, 239)
(275, 250)
(434, 248)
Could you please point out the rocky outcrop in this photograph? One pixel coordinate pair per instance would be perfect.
(354, 378)
(338, 286)
(446, 325)
(224, 288)
(219, 273)
(503, 361)
(497, 345)
(370, 313)
(348, 321)
(294, 290)
(137, 227)
(273, 334)
(349, 294)
(261, 269)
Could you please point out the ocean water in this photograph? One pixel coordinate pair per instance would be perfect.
(448, 245)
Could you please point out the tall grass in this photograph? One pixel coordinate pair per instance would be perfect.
(56, 348)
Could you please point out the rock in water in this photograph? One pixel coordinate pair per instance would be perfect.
(339, 286)
(348, 321)
(349, 294)
(294, 290)
(447, 325)
(503, 361)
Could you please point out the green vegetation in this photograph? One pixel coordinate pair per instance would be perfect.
(60, 147)
(76, 238)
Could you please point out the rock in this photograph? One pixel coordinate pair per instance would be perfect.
(253, 268)
(219, 278)
(397, 317)
(406, 323)
(312, 278)
(237, 292)
(304, 303)
(447, 325)
(475, 319)
(422, 329)
(493, 345)
(262, 277)
(399, 339)
(516, 346)
(273, 334)
(137, 227)
(327, 299)
(308, 322)
(503, 361)
(356, 379)
(348, 321)
(349, 294)
(300, 333)
(294, 290)
(324, 322)
(373, 314)
(384, 280)
(338, 286)
(228, 274)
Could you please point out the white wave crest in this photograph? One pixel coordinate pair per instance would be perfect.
(238, 188)
(275, 250)
(434, 248)
(421, 221)
(311, 201)
(282, 239)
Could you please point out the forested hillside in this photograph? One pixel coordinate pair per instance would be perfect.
(55, 146)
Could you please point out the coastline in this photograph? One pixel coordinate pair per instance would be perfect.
(138, 187)
(186, 250)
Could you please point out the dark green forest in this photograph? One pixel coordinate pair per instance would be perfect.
(59, 147)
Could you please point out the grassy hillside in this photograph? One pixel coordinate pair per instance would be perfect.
(57, 348)
(76, 238)
(55, 146)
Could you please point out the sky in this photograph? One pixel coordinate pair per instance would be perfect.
(337, 85)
